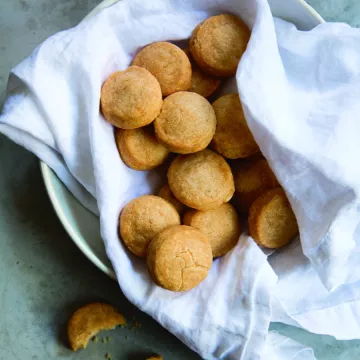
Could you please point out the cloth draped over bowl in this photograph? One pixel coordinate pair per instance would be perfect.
(300, 92)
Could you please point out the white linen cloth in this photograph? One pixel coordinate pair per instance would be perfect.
(301, 300)
(299, 91)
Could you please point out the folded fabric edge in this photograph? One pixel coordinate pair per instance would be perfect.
(54, 160)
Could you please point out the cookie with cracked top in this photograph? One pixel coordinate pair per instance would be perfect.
(179, 258)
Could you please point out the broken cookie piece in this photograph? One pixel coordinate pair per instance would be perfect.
(90, 319)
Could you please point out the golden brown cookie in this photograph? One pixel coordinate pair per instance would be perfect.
(179, 258)
(201, 83)
(252, 180)
(218, 43)
(131, 98)
(221, 226)
(202, 181)
(89, 320)
(156, 357)
(142, 219)
(233, 138)
(139, 148)
(167, 195)
(168, 63)
(186, 123)
(272, 222)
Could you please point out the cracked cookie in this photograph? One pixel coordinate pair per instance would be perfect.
(202, 181)
(179, 258)
(272, 222)
(139, 148)
(218, 43)
(142, 219)
(186, 123)
(168, 63)
(233, 138)
(90, 319)
(131, 98)
(221, 226)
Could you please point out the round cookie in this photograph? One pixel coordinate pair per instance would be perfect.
(167, 195)
(186, 123)
(89, 320)
(218, 43)
(168, 63)
(202, 181)
(142, 219)
(202, 83)
(233, 138)
(272, 222)
(179, 258)
(139, 148)
(252, 180)
(131, 99)
(221, 226)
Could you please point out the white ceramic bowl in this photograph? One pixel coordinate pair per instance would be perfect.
(84, 227)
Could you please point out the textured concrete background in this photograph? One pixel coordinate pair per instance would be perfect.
(43, 276)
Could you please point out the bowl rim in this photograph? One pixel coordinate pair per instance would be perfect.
(106, 3)
(311, 11)
(47, 172)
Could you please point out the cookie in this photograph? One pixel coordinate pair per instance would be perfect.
(186, 123)
(168, 63)
(218, 43)
(252, 180)
(179, 258)
(87, 321)
(156, 357)
(167, 195)
(142, 219)
(131, 99)
(233, 138)
(201, 83)
(272, 222)
(139, 148)
(221, 226)
(202, 181)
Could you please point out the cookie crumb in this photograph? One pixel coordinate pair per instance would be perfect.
(107, 356)
(95, 339)
(136, 325)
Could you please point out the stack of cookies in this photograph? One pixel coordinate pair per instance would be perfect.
(159, 106)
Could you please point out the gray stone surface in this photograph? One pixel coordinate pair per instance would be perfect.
(338, 10)
(43, 276)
